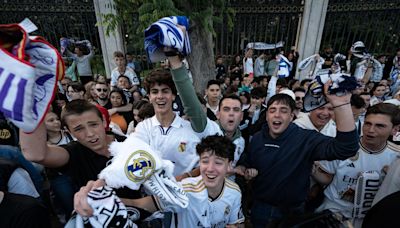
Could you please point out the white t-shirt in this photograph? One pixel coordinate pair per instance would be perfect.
(339, 195)
(176, 143)
(303, 120)
(128, 72)
(203, 211)
(83, 63)
(248, 66)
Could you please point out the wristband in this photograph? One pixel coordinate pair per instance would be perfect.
(171, 53)
(337, 106)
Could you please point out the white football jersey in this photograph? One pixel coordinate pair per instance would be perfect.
(339, 195)
(203, 211)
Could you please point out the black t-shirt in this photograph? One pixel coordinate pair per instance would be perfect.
(220, 71)
(84, 165)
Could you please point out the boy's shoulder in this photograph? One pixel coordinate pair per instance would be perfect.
(193, 184)
(232, 186)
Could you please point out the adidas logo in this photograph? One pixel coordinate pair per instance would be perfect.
(351, 165)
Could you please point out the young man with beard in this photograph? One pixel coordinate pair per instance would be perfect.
(283, 154)
(102, 90)
(381, 121)
(299, 94)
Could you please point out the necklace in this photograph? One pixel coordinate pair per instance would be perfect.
(59, 139)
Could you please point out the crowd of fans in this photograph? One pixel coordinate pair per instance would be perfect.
(275, 165)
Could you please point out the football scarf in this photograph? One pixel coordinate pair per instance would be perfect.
(29, 70)
(341, 83)
(134, 163)
(284, 67)
(166, 32)
(108, 211)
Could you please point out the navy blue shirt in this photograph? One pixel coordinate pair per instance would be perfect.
(284, 164)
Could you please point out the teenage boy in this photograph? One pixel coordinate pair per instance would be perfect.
(229, 112)
(213, 95)
(122, 69)
(283, 154)
(167, 132)
(82, 159)
(381, 121)
(214, 201)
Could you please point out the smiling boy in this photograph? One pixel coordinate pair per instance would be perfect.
(214, 201)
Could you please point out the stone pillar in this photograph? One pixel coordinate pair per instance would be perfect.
(109, 43)
(312, 27)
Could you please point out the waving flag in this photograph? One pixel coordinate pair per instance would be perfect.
(29, 70)
(167, 32)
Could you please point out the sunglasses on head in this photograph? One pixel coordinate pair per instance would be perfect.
(299, 98)
(104, 90)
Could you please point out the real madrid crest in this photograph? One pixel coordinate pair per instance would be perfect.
(182, 147)
(139, 166)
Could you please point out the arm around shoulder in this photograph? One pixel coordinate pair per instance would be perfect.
(34, 148)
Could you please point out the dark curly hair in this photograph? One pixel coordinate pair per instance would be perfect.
(161, 77)
(221, 146)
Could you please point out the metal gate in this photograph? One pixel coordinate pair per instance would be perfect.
(376, 23)
(268, 21)
(56, 19)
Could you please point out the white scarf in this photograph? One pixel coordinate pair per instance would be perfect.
(166, 33)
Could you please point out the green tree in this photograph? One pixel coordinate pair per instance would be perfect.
(137, 15)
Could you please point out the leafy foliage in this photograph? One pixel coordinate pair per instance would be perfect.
(137, 15)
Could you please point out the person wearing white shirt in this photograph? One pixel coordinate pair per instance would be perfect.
(381, 121)
(214, 201)
(83, 63)
(248, 67)
(121, 69)
(319, 119)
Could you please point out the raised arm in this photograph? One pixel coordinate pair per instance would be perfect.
(34, 148)
(184, 86)
(345, 144)
(342, 109)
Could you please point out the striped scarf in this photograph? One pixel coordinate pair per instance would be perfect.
(166, 32)
(29, 70)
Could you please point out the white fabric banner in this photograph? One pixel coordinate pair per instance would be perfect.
(264, 46)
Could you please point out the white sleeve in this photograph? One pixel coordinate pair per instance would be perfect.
(211, 128)
(142, 132)
(272, 87)
(134, 78)
(236, 216)
(113, 79)
(329, 166)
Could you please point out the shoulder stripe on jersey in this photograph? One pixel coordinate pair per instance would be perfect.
(194, 184)
(394, 147)
(193, 187)
(195, 190)
(232, 185)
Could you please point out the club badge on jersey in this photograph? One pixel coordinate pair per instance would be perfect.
(29, 70)
(134, 163)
